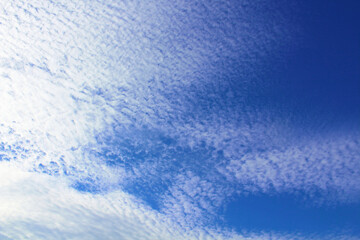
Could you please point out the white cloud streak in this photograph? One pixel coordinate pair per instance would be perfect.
(37, 206)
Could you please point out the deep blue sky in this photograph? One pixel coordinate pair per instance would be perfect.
(324, 73)
(286, 213)
(319, 85)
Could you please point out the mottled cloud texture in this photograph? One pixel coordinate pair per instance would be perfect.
(139, 120)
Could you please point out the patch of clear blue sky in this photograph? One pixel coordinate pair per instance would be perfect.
(326, 70)
(286, 213)
(319, 82)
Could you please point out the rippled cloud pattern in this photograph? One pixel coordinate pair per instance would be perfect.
(179, 120)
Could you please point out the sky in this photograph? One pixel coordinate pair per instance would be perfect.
(179, 119)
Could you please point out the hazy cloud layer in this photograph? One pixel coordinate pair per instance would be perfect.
(169, 102)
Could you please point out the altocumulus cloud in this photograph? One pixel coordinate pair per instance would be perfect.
(108, 108)
(37, 206)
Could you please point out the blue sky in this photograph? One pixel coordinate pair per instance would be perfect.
(179, 120)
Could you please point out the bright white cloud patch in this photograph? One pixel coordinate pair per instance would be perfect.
(37, 206)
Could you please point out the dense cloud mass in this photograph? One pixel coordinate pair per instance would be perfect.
(168, 106)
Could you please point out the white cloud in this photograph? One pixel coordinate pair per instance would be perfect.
(326, 164)
(38, 206)
(73, 75)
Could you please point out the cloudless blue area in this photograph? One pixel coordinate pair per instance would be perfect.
(286, 213)
(319, 83)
